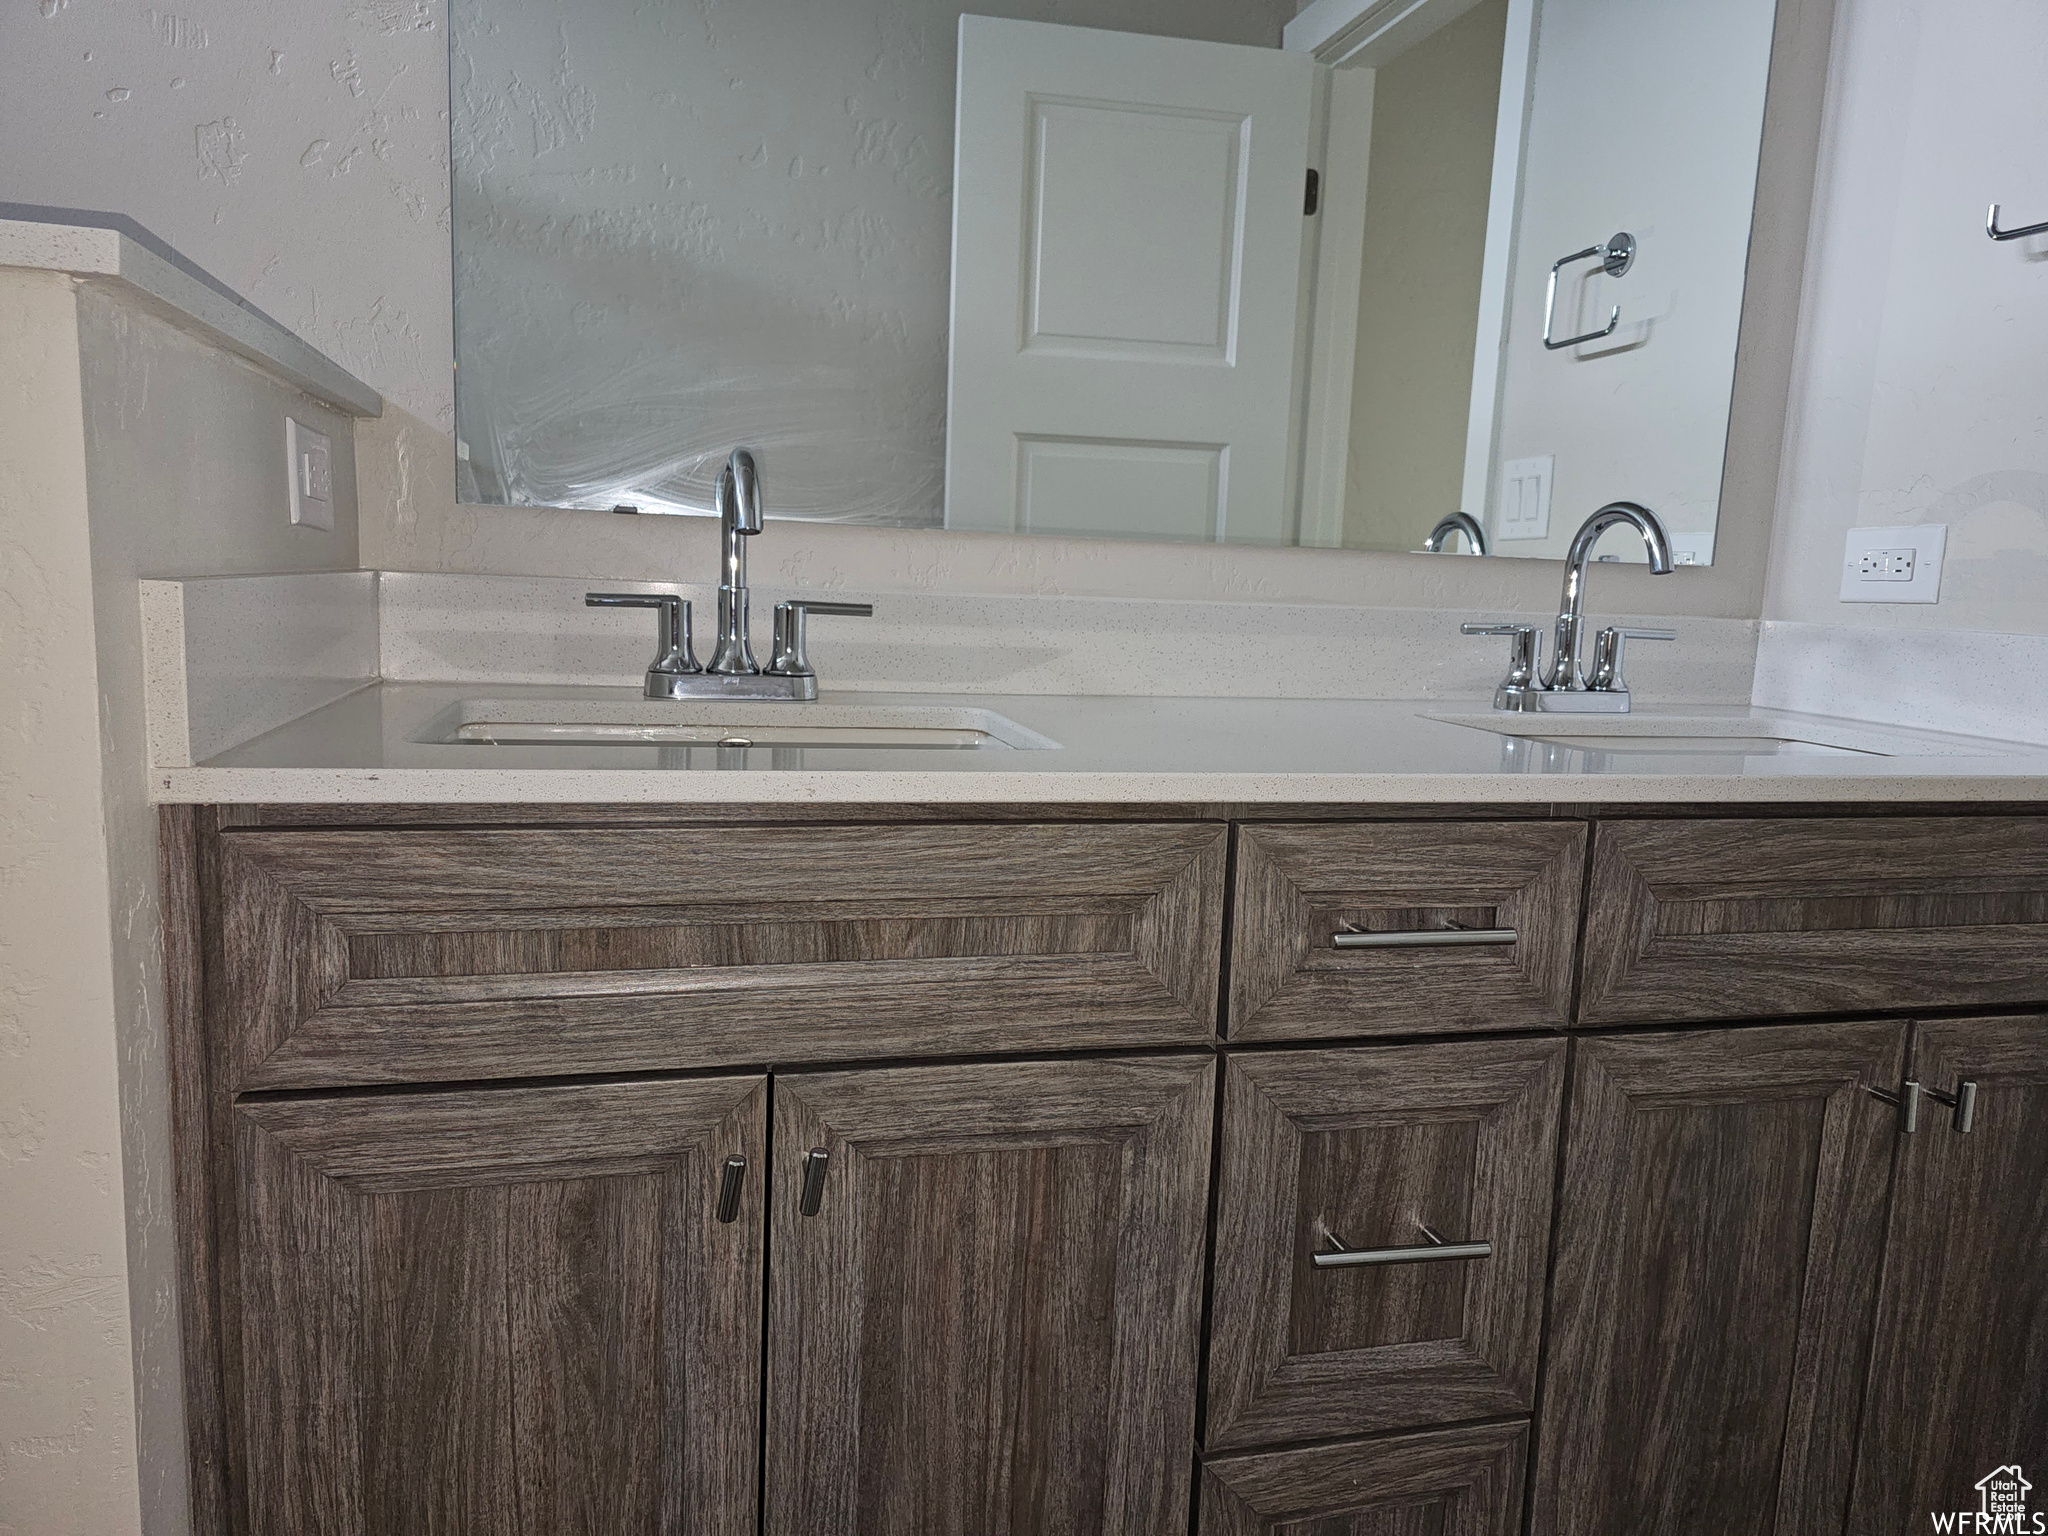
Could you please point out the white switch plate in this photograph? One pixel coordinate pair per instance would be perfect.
(1525, 497)
(1893, 565)
(309, 460)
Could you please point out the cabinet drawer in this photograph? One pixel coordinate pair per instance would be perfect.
(1363, 1149)
(389, 956)
(1450, 1482)
(1299, 886)
(1744, 918)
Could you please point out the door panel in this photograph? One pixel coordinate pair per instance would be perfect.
(1127, 239)
(1446, 1482)
(989, 1323)
(1958, 1382)
(1716, 1265)
(1364, 1149)
(492, 1311)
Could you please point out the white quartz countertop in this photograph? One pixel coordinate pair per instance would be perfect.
(377, 745)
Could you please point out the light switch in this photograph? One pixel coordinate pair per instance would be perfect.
(309, 457)
(1525, 497)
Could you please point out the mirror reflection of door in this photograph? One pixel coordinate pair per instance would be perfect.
(1127, 247)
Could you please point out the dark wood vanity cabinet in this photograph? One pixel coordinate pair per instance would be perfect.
(1719, 1238)
(1446, 1482)
(508, 1309)
(1958, 1380)
(985, 1310)
(1340, 1168)
(601, 1170)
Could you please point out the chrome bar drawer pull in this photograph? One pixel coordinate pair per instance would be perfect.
(1424, 938)
(814, 1180)
(729, 1188)
(1342, 1255)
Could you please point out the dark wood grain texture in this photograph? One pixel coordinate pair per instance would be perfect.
(1297, 886)
(362, 957)
(1717, 1256)
(500, 1311)
(1748, 918)
(990, 1324)
(1444, 1482)
(1958, 1380)
(181, 830)
(1372, 1144)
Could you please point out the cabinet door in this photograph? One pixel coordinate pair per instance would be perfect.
(1446, 1482)
(984, 1313)
(499, 1311)
(1959, 1375)
(1717, 1257)
(1371, 1149)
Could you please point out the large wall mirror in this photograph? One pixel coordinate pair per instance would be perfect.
(1203, 270)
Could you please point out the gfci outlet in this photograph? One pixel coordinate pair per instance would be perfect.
(309, 459)
(1893, 565)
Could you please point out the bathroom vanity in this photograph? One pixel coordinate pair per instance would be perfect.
(1096, 1167)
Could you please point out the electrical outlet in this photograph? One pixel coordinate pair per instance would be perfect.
(1525, 498)
(309, 461)
(1893, 565)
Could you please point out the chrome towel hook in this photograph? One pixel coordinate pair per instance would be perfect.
(1616, 257)
(1991, 228)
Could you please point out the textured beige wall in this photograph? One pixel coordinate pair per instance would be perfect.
(185, 475)
(128, 448)
(1430, 174)
(67, 1424)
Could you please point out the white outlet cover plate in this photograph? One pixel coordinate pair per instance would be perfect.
(309, 462)
(1926, 540)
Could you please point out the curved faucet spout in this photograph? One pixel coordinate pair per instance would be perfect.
(1456, 522)
(738, 500)
(1567, 669)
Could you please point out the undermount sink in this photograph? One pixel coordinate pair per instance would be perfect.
(870, 727)
(1646, 736)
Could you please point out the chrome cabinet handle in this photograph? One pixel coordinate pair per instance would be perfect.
(1341, 1255)
(1616, 255)
(788, 658)
(729, 1188)
(1991, 228)
(814, 1180)
(1907, 1101)
(1423, 938)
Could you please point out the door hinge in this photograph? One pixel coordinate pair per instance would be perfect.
(1315, 185)
(1907, 1101)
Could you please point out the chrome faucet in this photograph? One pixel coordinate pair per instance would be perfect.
(1566, 686)
(733, 674)
(1456, 522)
(737, 498)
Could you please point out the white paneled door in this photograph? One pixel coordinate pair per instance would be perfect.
(1127, 256)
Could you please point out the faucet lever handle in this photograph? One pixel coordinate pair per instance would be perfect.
(1607, 650)
(1521, 654)
(789, 659)
(674, 655)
